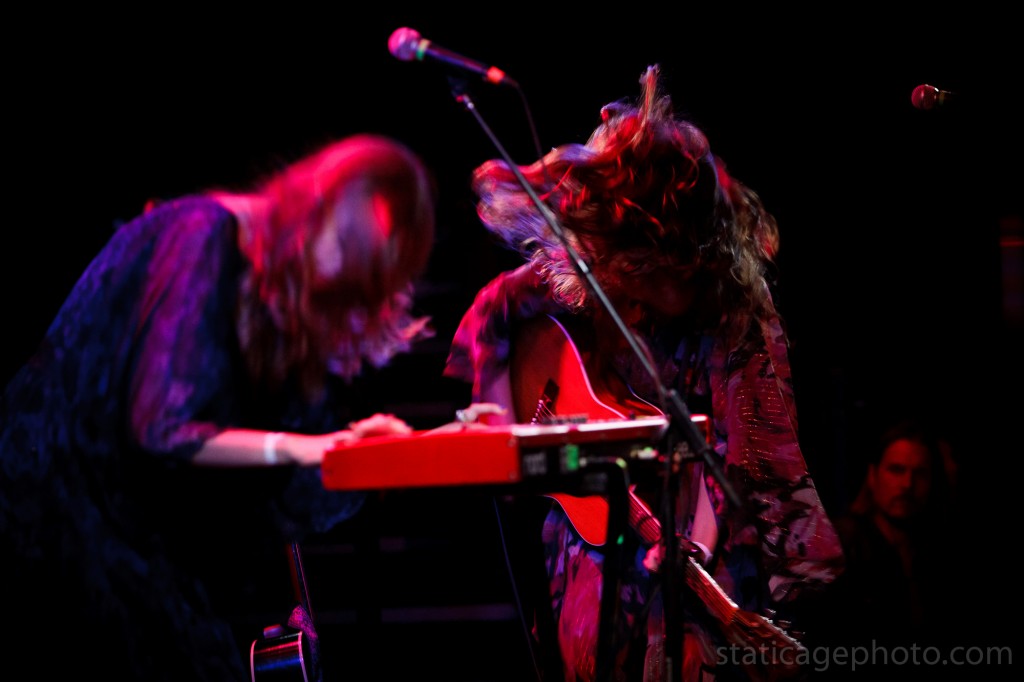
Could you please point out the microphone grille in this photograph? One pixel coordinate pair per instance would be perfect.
(924, 96)
(403, 43)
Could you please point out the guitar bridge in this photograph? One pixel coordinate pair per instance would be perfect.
(546, 404)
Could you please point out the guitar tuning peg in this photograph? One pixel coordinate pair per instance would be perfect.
(769, 614)
(785, 624)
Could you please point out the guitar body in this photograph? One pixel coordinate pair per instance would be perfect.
(281, 656)
(553, 378)
(285, 654)
(552, 375)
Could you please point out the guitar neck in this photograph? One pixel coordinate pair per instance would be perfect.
(697, 579)
(299, 578)
(704, 586)
(643, 521)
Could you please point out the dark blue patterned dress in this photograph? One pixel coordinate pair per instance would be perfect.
(118, 558)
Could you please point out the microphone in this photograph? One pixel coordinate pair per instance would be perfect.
(928, 97)
(407, 44)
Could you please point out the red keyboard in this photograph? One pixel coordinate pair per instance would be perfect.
(488, 454)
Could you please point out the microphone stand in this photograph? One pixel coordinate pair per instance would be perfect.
(680, 420)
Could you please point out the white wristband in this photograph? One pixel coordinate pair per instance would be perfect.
(270, 447)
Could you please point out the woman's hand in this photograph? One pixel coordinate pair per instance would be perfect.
(687, 548)
(380, 425)
(310, 450)
(474, 416)
(473, 413)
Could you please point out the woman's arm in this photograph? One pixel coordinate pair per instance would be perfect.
(247, 447)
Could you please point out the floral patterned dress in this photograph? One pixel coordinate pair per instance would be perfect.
(777, 546)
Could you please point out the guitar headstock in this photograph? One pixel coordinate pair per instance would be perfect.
(766, 650)
(750, 629)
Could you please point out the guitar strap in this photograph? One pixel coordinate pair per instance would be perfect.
(692, 357)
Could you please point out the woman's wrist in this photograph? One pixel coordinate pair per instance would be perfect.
(272, 454)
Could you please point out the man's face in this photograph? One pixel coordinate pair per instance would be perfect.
(901, 481)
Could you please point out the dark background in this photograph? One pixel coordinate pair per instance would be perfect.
(901, 229)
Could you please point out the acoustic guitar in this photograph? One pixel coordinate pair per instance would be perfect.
(554, 378)
(284, 654)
